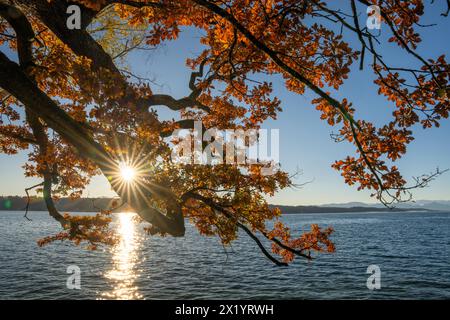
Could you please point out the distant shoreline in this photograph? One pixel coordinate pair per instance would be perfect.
(324, 209)
(16, 203)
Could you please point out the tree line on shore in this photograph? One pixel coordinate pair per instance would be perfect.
(19, 203)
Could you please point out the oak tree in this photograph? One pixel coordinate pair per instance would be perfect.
(69, 98)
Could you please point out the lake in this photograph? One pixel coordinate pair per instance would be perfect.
(412, 251)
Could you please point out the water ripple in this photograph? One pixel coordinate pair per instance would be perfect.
(412, 250)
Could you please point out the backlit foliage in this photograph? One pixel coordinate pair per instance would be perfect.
(244, 41)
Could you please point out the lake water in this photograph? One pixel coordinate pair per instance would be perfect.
(411, 249)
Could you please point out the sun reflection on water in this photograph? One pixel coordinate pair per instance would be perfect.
(125, 260)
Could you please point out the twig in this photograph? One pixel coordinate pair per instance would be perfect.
(29, 199)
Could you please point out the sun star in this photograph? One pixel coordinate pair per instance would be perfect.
(127, 173)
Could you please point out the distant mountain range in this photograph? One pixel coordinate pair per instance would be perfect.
(342, 209)
(16, 203)
(439, 205)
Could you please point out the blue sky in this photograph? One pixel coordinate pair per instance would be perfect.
(305, 141)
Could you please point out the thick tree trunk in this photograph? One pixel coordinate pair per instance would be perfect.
(15, 81)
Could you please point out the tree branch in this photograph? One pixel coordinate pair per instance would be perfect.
(13, 80)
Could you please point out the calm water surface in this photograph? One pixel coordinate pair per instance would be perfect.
(412, 250)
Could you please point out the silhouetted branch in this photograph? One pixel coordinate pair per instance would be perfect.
(29, 199)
